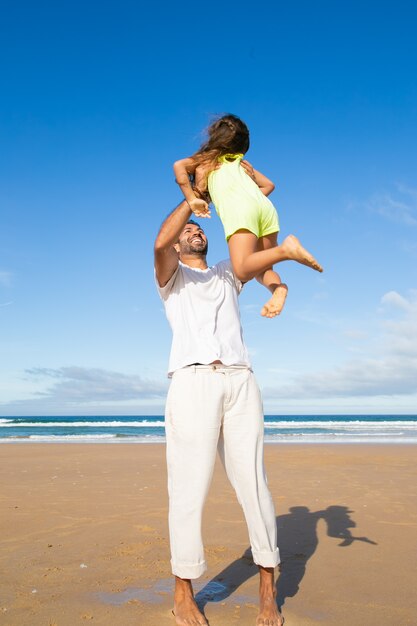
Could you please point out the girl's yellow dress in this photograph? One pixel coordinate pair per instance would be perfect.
(238, 200)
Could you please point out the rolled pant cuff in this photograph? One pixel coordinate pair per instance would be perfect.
(266, 559)
(187, 570)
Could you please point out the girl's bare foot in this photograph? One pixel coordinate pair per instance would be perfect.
(186, 611)
(275, 304)
(296, 252)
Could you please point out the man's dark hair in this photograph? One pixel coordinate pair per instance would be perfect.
(194, 223)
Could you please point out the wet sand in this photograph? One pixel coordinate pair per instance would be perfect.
(84, 537)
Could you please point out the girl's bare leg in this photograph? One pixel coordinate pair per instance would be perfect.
(272, 281)
(248, 261)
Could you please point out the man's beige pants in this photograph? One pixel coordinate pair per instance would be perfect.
(210, 408)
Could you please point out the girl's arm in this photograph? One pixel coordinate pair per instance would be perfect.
(264, 184)
(183, 169)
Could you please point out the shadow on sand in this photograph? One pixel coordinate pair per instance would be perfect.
(297, 540)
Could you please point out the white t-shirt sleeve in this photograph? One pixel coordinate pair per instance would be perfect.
(166, 289)
(226, 267)
(239, 285)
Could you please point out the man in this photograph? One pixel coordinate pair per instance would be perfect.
(213, 404)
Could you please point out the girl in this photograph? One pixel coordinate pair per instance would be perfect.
(249, 218)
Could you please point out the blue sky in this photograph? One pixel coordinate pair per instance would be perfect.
(99, 99)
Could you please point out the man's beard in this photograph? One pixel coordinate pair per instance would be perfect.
(198, 248)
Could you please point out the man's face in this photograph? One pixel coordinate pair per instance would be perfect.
(192, 241)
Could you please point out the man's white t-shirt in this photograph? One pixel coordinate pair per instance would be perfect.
(203, 312)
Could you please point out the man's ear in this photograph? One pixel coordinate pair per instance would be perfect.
(177, 247)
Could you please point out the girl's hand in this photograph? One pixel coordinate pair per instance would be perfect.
(199, 207)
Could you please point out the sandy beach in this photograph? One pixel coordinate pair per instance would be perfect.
(85, 539)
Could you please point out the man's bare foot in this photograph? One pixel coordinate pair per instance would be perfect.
(296, 252)
(186, 611)
(269, 614)
(275, 304)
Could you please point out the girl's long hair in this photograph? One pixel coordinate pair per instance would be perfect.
(228, 134)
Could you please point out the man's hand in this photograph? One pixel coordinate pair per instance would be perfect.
(199, 207)
(249, 169)
(264, 184)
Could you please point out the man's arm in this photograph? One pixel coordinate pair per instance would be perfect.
(165, 255)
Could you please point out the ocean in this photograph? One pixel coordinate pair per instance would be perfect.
(150, 429)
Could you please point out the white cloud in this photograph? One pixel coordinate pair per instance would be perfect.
(89, 391)
(390, 369)
(400, 208)
(81, 385)
(393, 298)
(383, 373)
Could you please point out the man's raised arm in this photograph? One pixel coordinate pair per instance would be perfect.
(165, 255)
